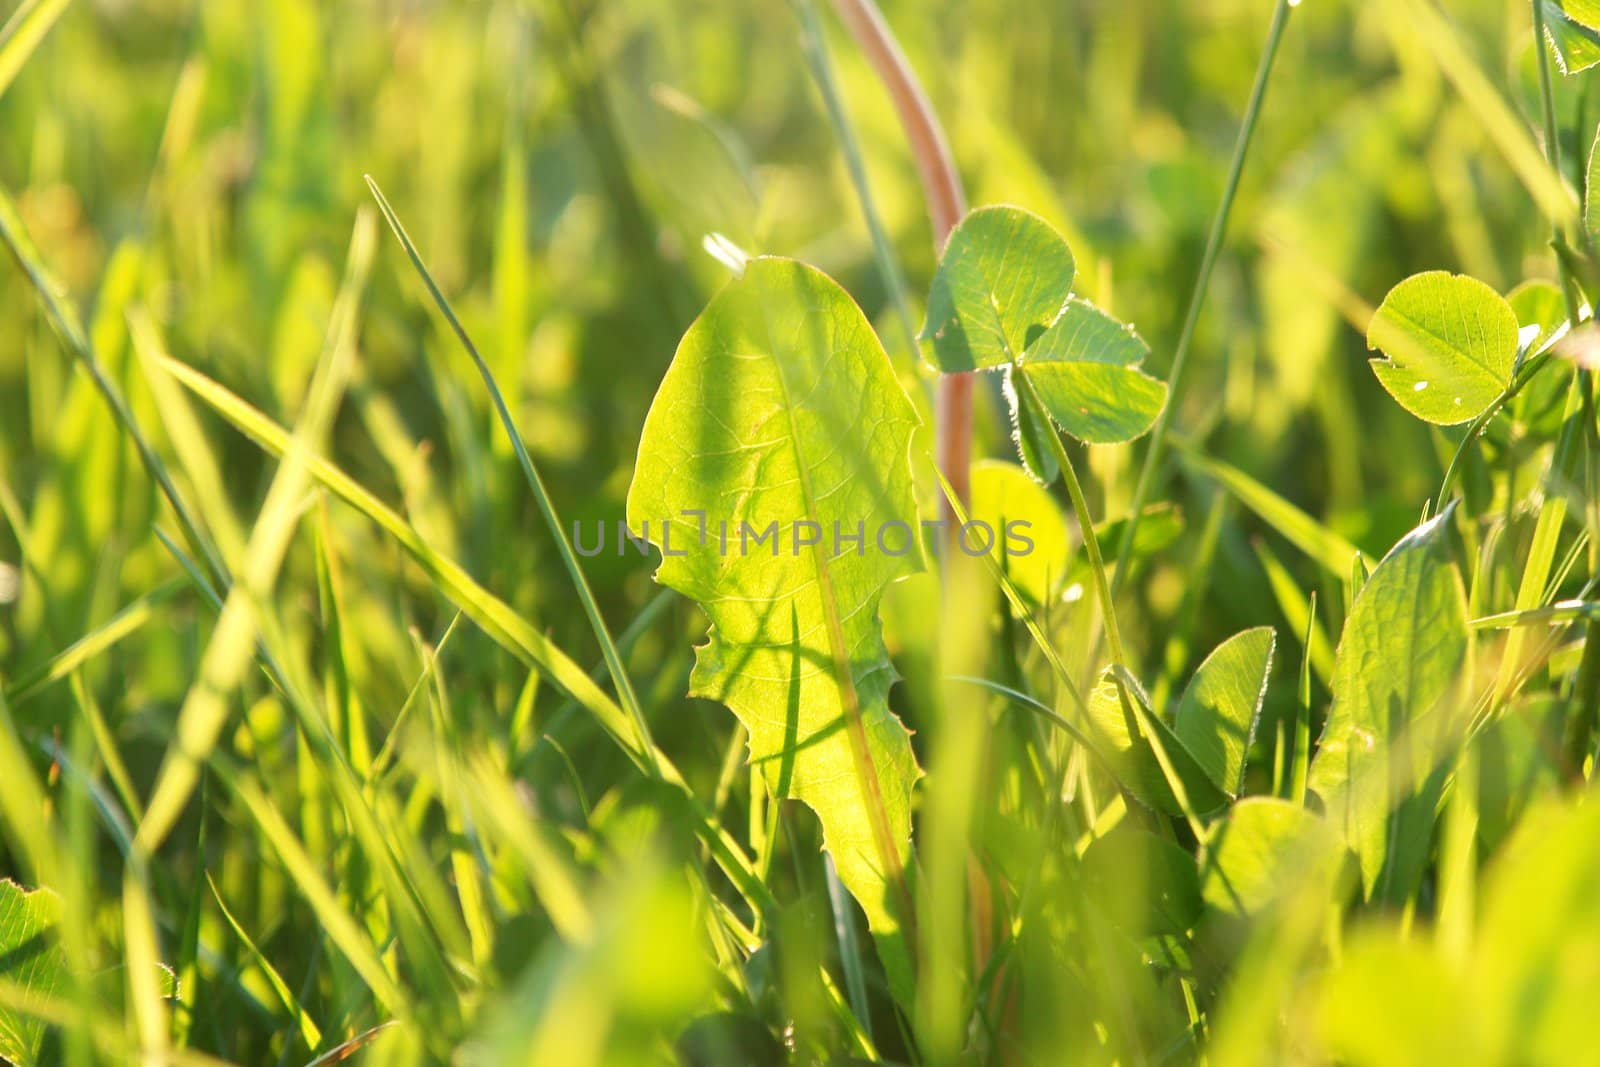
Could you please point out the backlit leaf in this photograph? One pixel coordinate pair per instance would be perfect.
(1217, 715)
(1573, 30)
(1260, 850)
(1015, 507)
(1591, 198)
(1003, 279)
(1398, 657)
(1029, 433)
(1121, 729)
(1147, 884)
(1086, 370)
(781, 414)
(31, 960)
(1450, 343)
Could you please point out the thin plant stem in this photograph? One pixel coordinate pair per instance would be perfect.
(1476, 427)
(608, 648)
(946, 200)
(1208, 262)
(815, 47)
(1027, 394)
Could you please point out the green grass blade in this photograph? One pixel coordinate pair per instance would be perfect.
(97, 642)
(22, 33)
(69, 327)
(1299, 609)
(1202, 284)
(309, 1031)
(1301, 530)
(233, 642)
(341, 929)
(608, 648)
(1500, 123)
(490, 613)
(814, 45)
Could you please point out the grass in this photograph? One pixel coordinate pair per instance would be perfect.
(324, 739)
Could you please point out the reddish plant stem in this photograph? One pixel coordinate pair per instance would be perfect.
(947, 203)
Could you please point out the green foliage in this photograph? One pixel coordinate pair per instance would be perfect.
(1085, 367)
(1573, 30)
(1003, 494)
(1450, 343)
(1390, 727)
(315, 686)
(1002, 281)
(1137, 743)
(747, 433)
(1002, 299)
(1262, 850)
(1217, 715)
(32, 964)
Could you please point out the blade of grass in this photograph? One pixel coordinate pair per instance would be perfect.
(1124, 680)
(608, 648)
(233, 642)
(815, 48)
(467, 873)
(68, 326)
(1202, 283)
(22, 33)
(1440, 41)
(22, 804)
(142, 961)
(346, 934)
(416, 895)
(105, 742)
(492, 615)
(1302, 721)
(380, 762)
(1585, 715)
(310, 1033)
(126, 622)
(1301, 530)
(1299, 610)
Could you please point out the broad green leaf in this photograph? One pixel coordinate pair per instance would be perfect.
(1450, 343)
(1573, 30)
(1397, 660)
(1583, 12)
(1013, 506)
(1085, 368)
(1145, 883)
(1217, 715)
(31, 960)
(1120, 729)
(1260, 850)
(781, 415)
(1003, 279)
